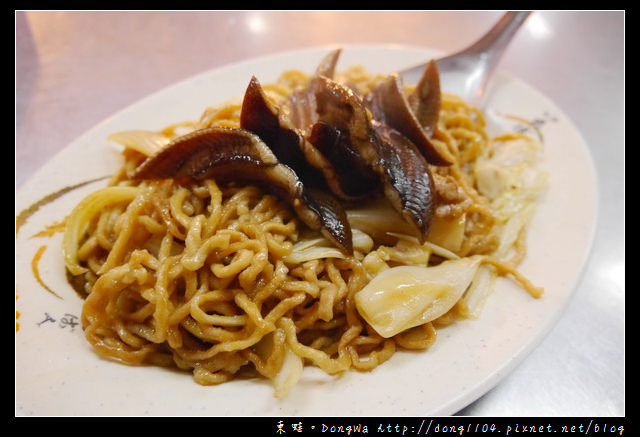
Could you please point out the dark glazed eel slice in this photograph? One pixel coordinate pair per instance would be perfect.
(389, 105)
(409, 182)
(301, 105)
(352, 177)
(273, 126)
(320, 158)
(426, 99)
(401, 168)
(327, 66)
(233, 154)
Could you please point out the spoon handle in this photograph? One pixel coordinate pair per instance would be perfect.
(467, 73)
(494, 42)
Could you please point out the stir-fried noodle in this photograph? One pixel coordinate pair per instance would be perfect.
(223, 279)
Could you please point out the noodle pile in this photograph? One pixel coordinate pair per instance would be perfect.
(224, 280)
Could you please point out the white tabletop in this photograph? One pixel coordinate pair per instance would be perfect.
(74, 69)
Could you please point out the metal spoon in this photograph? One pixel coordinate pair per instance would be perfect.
(467, 73)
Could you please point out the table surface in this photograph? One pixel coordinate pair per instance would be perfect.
(65, 59)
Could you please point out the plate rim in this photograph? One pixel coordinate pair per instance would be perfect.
(492, 380)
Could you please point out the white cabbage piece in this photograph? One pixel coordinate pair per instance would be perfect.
(299, 256)
(448, 233)
(320, 248)
(78, 220)
(509, 166)
(509, 176)
(403, 297)
(377, 219)
(289, 374)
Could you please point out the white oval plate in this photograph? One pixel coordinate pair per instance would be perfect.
(57, 373)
